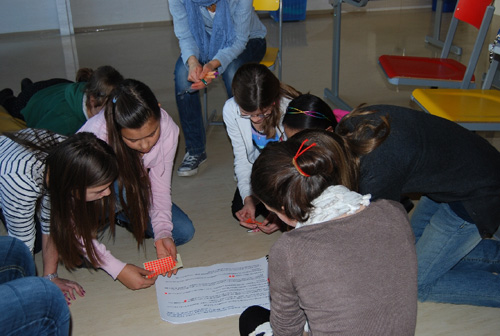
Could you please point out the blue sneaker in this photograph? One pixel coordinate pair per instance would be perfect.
(190, 164)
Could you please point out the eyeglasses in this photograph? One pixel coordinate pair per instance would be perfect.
(253, 116)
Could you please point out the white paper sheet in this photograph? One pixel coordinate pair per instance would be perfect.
(215, 291)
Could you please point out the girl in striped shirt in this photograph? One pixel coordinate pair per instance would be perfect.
(61, 183)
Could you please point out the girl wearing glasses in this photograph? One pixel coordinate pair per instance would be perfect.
(253, 118)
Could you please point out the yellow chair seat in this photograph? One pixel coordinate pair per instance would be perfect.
(8, 123)
(473, 109)
(273, 54)
(270, 57)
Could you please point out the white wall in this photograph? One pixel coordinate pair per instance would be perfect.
(371, 5)
(34, 15)
(95, 13)
(28, 15)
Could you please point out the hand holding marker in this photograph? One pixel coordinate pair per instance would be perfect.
(210, 75)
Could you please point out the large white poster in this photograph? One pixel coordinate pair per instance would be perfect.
(214, 291)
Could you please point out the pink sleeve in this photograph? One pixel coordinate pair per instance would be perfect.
(160, 162)
(110, 264)
(96, 125)
(160, 175)
(339, 114)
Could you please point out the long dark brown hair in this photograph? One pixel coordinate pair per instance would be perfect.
(81, 161)
(309, 111)
(101, 82)
(132, 104)
(279, 184)
(256, 87)
(334, 160)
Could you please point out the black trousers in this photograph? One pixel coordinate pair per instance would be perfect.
(253, 317)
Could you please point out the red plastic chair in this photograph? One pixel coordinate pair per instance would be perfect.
(443, 72)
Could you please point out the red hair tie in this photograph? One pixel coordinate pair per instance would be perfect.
(299, 153)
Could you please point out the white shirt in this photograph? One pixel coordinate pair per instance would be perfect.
(240, 133)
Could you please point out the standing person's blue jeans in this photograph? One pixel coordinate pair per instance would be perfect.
(454, 264)
(30, 305)
(189, 105)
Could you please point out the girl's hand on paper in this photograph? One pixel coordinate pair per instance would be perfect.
(164, 248)
(134, 277)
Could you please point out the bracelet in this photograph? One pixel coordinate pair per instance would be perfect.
(51, 276)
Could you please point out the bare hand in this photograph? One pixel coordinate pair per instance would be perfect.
(269, 227)
(69, 288)
(134, 277)
(207, 74)
(164, 248)
(271, 224)
(246, 215)
(195, 70)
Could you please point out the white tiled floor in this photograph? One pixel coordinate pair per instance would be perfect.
(149, 54)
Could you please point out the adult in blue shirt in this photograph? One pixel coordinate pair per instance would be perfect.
(215, 36)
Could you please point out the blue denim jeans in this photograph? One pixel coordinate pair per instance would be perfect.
(183, 230)
(189, 105)
(454, 264)
(31, 305)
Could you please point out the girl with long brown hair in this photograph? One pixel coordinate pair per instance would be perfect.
(57, 189)
(346, 257)
(404, 151)
(145, 139)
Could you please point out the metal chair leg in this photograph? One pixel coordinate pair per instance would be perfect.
(209, 119)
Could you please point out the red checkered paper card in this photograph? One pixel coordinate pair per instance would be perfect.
(164, 265)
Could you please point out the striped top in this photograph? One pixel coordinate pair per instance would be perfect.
(22, 192)
(23, 195)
